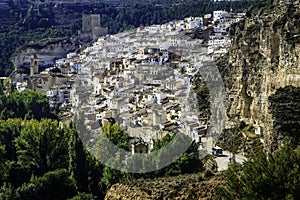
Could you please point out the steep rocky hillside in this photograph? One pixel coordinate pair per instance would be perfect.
(265, 56)
(192, 186)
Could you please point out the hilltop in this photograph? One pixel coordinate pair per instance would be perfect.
(23, 22)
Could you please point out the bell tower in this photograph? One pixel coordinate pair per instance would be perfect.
(34, 65)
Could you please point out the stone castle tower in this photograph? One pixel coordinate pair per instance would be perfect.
(91, 25)
(90, 21)
(34, 65)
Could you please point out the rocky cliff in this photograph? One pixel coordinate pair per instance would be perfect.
(48, 50)
(192, 186)
(265, 56)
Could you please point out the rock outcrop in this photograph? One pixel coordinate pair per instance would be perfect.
(179, 187)
(45, 50)
(48, 50)
(265, 56)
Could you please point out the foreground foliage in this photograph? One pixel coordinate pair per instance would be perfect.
(25, 105)
(265, 176)
(186, 163)
(44, 160)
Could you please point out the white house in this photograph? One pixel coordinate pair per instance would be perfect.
(207, 16)
(218, 14)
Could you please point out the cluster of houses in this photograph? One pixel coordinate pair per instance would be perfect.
(141, 79)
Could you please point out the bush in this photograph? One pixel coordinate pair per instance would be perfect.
(265, 176)
(208, 173)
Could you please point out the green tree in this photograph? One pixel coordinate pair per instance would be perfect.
(95, 175)
(3, 172)
(31, 148)
(52, 185)
(27, 104)
(84, 196)
(42, 145)
(11, 88)
(77, 161)
(9, 130)
(1, 89)
(112, 176)
(265, 176)
(188, 162)
(7, 192)
(83, 167)
(17, 174)
(115, 134)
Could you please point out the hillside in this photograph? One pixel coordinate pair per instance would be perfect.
(192, 186)
(264, 57)
(22, 22)
(261, 70)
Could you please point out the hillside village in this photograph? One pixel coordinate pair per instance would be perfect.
(140, 78)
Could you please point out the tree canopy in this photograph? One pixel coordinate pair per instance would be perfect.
(265, 176)
(188, 162)
(26, 105)
(43, 159)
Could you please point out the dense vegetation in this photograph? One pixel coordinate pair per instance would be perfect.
(19, 36)
(265, 176)
(273, 175)
(25, 105)
(144, 15)
(188, 162)
(285, 108)
(33, 23)
(41, 158)
(240, 139)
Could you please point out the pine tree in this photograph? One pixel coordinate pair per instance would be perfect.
(77, 160)
(265, 176)
(52, 185)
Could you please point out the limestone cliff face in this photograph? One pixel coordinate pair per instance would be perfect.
(49, 49)
(265, 56)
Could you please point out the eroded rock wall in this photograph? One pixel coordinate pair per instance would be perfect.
(264, 57)
(49, 49)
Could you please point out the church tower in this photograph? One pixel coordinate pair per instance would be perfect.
(34, 65)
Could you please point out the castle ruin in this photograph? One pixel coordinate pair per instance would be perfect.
(91, 24)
